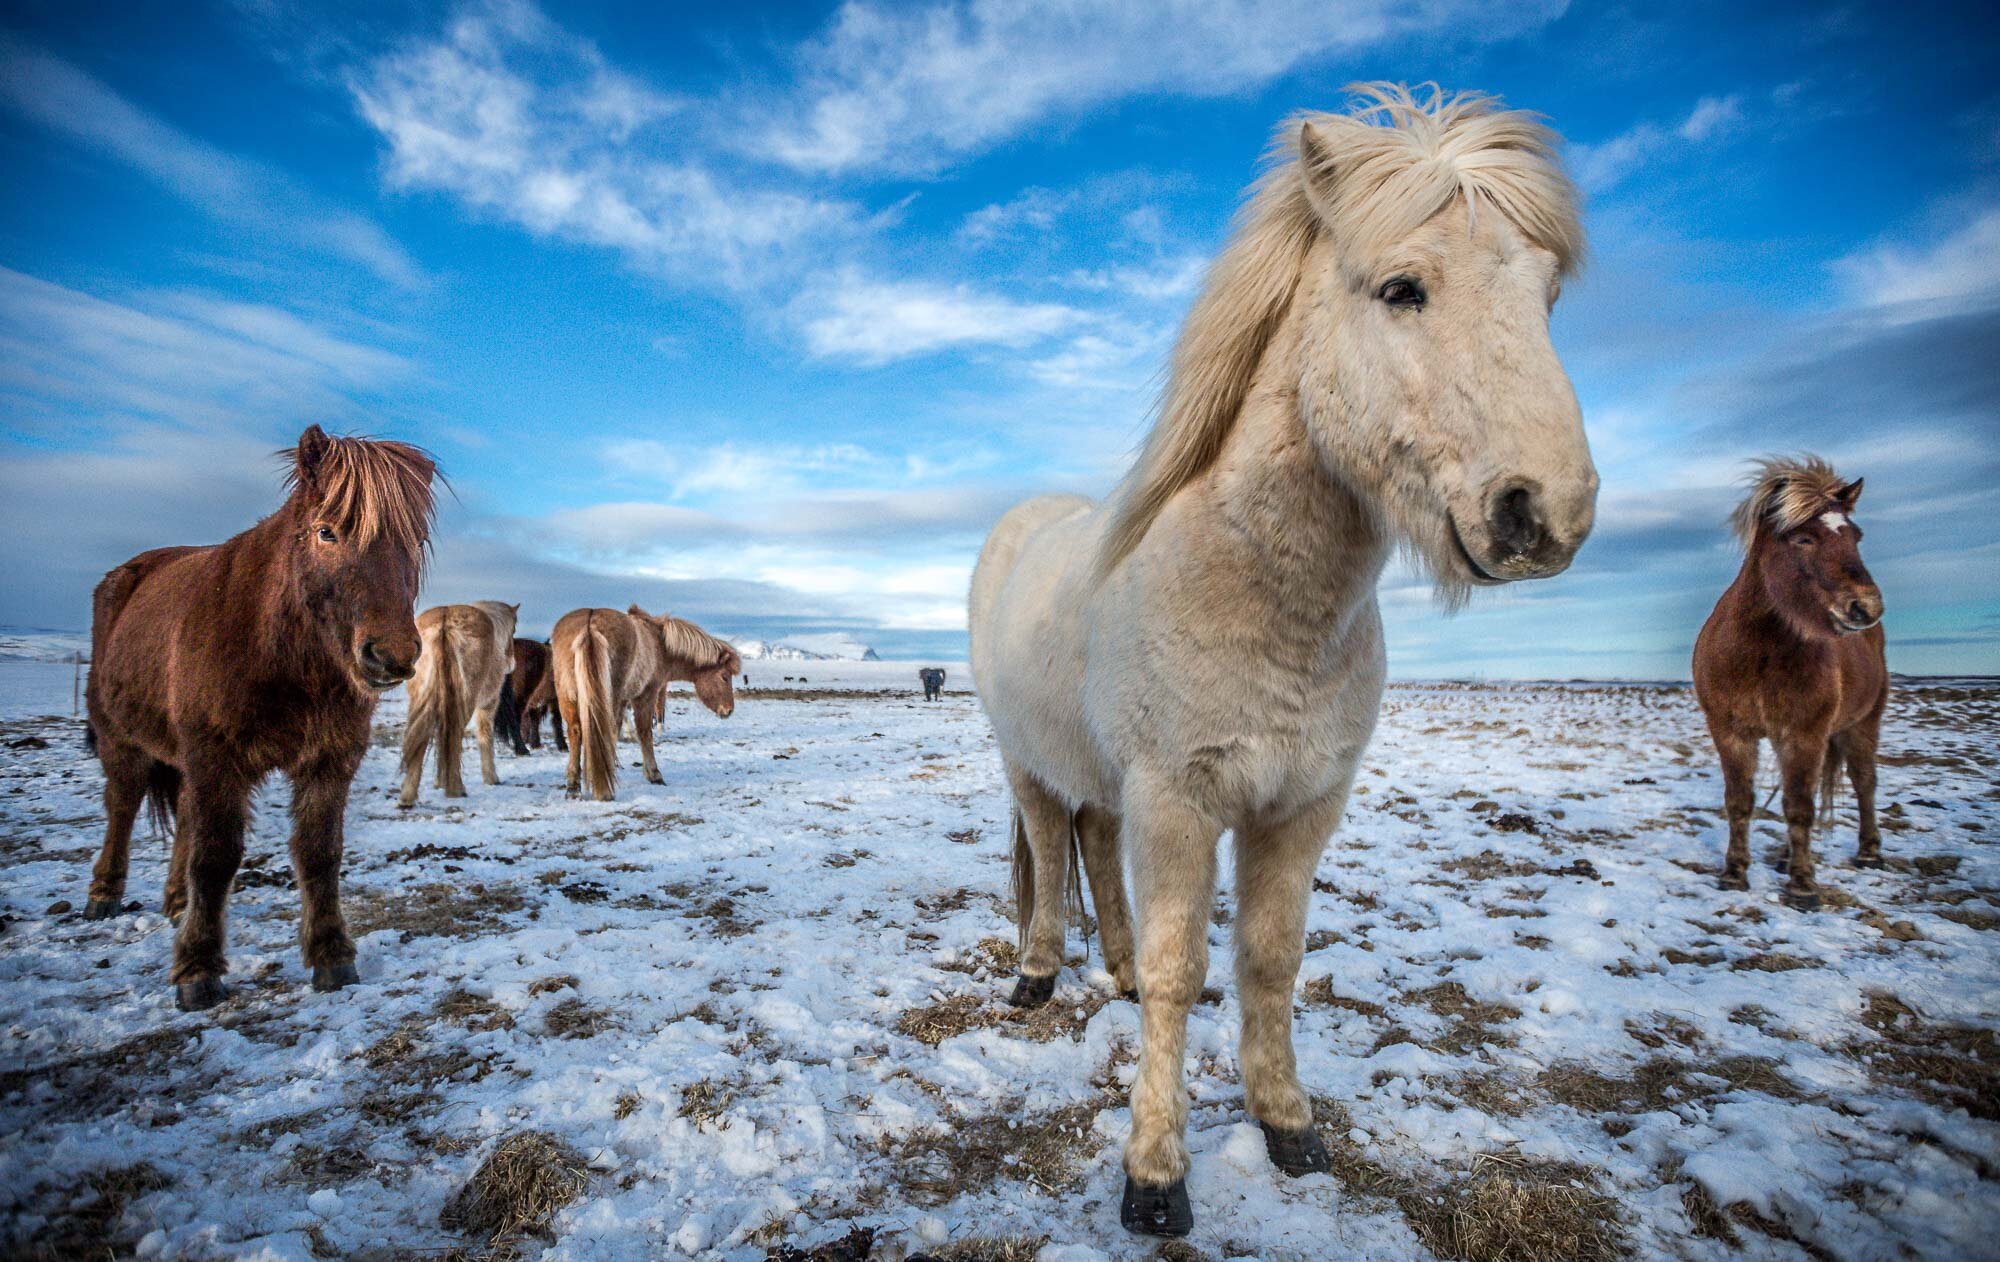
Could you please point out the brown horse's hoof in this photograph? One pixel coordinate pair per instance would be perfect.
(1033, 992)
(335, 976)
(1800, 900)
(1733, 881)
(197, 996)
(100, 909)
(1298, 1152)
(1871, 863)
(1156, 1211)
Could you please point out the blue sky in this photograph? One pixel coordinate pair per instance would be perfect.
(765, 315)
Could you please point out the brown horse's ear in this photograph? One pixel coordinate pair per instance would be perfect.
(517, 610)
(306, 457)
(1847, 495)
(635, 611)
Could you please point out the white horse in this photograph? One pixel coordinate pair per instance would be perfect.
(1368, 362)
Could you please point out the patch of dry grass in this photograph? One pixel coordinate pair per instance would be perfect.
(439, 909)
(1951, 1066)
(1044, 1150)
(1510, 1209)
(1063, 1017)
(518, 1190)
(574, 1019)
(92, 1227)
(705, 1101)
(1660, 1082)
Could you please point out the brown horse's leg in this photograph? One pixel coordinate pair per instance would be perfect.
(125, 772)
(1043, 894)
(1097, 838)
(319, 808)
(175, 900)
(1859, 743)
(215, 811)
(566, 714)
(482, 726)
(531, 728)
(1274, 873)
(1799, 758)
(643, 711)
(1739, 799)
(556, 721)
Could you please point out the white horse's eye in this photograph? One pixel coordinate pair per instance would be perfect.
(1402, 291)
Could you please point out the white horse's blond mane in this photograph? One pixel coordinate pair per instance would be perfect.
(1383, 169)
(1786, 492)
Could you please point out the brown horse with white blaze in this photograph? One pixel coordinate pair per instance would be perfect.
(1793, 654)
(214, 666)
(603, 661)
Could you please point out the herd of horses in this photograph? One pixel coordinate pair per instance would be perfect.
(1368, 365)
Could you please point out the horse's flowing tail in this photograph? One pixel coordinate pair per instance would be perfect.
(452, 715)
(1023, 879)
(596, 718)
(163, 790)
(1830, 768)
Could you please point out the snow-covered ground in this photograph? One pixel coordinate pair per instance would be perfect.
(765, 1001)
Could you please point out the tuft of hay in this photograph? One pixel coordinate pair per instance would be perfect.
(1063, 1017)
(627, 1103)
(990, 1249)
(575, 1019)
(1950, 1066)
(1661, 1082)
(518, 1189)
(705, 1101)
(1044, 1150)
(1513, 1210)
(91, 1229)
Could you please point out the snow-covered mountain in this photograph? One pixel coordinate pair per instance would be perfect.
(40, 644)
(833, 647)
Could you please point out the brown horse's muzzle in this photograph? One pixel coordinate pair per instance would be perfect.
(1858, 609)
(388, 660)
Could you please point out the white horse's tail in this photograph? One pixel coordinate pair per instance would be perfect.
(1023, 880)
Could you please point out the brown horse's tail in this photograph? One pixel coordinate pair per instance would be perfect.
(596, 736)
(163, 790)
(451, 715)
(1830, 768)
(1023, 879)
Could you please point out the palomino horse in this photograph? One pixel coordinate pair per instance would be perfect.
(468, 650)
(1793, 654)
(215, 666)
(518, 722)
(1368, 361)
(604, 661)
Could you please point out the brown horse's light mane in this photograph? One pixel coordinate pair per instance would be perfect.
(366, 488)
(693, 646)
(1786, 492)
(1393, 161)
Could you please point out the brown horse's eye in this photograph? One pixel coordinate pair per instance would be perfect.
(1803, 539)
(326, 535)
(1403, 292)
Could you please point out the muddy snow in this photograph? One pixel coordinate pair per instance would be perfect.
(758, 1011)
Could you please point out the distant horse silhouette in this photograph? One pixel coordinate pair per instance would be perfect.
(468, 650)
(518, 722)
(1794, 654)
(604, 661)
(1368, 362)
(933, 681)
(215, 666)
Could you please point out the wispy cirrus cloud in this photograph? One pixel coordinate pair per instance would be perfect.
(1960, 267)
(1601, 166)
(856, 316)
(56, 95)
(914, 89)
(514, 116)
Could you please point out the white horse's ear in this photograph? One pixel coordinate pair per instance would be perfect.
(1850, 494)
(1316, 167)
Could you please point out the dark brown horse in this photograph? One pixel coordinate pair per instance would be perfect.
(539, 697)
(518, 722)
(215, 666)
(1793, 655)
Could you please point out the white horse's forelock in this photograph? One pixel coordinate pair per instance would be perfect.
(1370, 177)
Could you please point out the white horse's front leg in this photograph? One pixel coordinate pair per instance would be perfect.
(1172, 844)
(1274, 872)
